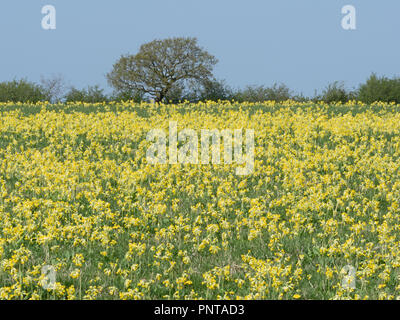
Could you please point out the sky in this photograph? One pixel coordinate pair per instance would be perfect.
(300, 43)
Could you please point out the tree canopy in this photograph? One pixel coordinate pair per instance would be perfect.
(161, 66)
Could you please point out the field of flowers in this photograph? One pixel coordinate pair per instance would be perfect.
(77, 194)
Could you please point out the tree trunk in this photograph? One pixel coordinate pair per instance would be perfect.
(160, 96)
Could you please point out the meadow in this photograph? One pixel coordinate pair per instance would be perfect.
(77, 194)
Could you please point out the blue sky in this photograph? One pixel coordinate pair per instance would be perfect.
(298, 42)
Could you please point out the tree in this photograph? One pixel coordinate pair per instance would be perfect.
(54, 87)
(21, 91)
(161, 66)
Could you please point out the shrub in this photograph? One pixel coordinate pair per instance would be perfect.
(92, 94)
(260, 93)
(136, 96)
(215, 90)
(211, 89)
(175, 94)
(336, 92)
(380, 89)
(21, 91)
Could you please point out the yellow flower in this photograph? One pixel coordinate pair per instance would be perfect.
(75, 273)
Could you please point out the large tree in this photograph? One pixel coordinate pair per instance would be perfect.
(161, 66)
